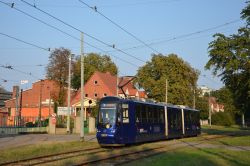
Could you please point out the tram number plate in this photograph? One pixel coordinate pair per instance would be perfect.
(104, 135)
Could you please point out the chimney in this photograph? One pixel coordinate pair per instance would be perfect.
(15, 91)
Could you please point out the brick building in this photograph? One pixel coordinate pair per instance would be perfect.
(104, 84)
(214, 106)
(28, 102)
(4, 95)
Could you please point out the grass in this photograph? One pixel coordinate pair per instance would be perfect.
(196, 157)
(29, 151)
(182, 156)
(237, 136)
(190, 156)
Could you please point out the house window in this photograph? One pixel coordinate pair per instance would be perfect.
(105, 94)
(95, 94)
(86, 95)
(95, 82)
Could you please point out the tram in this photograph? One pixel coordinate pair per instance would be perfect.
(127, 121)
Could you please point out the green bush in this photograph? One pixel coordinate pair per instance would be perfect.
(29, 124)
(223, 119)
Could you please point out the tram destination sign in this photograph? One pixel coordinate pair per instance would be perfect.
(108, 105)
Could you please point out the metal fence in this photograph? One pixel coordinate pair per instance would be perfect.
(21, 121)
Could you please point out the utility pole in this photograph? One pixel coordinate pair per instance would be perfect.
(82, 92)
(166, 110)
(40, 104)
(117, 83)
(20, 109)
(209, 109)
(69, 86)
(166, 99)
(194, 99)
(16, 102)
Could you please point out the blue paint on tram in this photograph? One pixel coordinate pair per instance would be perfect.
(127, 121)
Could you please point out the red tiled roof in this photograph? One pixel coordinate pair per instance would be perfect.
(110, 82)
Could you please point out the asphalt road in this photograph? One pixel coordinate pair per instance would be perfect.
(11, 141)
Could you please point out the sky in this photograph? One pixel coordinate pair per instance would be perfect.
(182, 27)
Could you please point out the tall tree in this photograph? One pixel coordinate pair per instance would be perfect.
(92, 62)
(181, 77)
(57, 70)
(245, 14)
(230, 59)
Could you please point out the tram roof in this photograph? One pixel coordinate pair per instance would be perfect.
(150, 102)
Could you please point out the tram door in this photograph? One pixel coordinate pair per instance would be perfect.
(125, 127)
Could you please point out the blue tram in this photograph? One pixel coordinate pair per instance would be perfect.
(127, 121)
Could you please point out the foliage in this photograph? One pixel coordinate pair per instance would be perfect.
(231, 57)
(94, 110)
(222, 118)
(181, 77)
(44, 123)
(58, 69)
(245, 14)
(92, 62)
(224, 96)
(202, 106)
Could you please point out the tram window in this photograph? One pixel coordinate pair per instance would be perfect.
(154, 114)
(125, 118)
(179, 120)
(161, 111)
(144, 114)
(138, 113)
(158, 110)
(150, 114)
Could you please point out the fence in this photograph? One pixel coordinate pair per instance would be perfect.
(21, 121)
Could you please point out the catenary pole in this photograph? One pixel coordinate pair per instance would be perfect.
(69, 86)
(194, 100)
(209, 110)
(82, 92)
(166, 99)
(166, 110)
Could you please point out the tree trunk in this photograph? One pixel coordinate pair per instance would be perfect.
(243, 120)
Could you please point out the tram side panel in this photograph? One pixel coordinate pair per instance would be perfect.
(149, 122)
(174, 122)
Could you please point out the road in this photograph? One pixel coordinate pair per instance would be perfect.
(29, 139)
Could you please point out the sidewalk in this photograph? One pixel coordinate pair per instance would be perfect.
(10, 141)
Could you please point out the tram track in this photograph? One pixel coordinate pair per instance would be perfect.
(54, 157)
(118, 156)
(152, 149)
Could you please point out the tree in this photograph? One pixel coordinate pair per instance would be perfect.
(245, 14)
(224, 96)
(202, 106)
(230, 59)
(92, 62)
(57, 70)
(181, 77)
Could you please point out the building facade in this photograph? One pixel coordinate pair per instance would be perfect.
(104, 84)
(32, 103)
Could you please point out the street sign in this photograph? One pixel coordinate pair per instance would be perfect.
(62, 111)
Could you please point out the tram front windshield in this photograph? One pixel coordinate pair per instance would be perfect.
(107, 114)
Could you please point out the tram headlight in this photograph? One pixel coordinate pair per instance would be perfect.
(107, 126)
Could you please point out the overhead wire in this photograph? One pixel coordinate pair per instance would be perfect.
(31, 44)
(182, 36)
(77, 29)
(119, 26)
(9, 67)
(51, 26)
